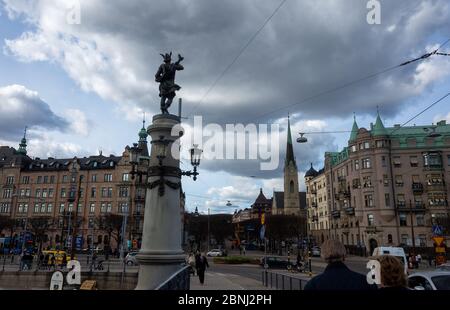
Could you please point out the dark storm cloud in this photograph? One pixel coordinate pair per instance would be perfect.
(20, 107)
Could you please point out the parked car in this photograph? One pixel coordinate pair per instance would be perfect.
(394, 251)
(315, 252)
(131, 260)
(274, 262)
(215, 253)
(430, 280)
(443, 267)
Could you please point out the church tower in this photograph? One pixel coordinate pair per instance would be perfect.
(291, 194)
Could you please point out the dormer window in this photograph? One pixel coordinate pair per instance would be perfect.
(111, 164)
(95, 164)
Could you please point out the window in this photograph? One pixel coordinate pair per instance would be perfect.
(38, 192)
(25, 180)
(390, 240)
(10, 180)
(80, 208)
(366, 145)
(103, 207)
(36, 208)
(5, 208)
(65, 179)
(61, 208)
(405, 239)
(50, 192)
(356, 164)
(108, 178)
(380, 143)
(123, 191)
(370, 220)
(368, 201)
(291, 187)
(400, 200)
(108, 207)
(70, 207)
(63, 193)
(413, 161)
(437, 199)
(93, 192)
(385, 180)
(432, 160)
(402, 219)
(45, 179)
(397, 162)
(7, 193)
(52, 179)
(422, 240)
(366, 164)
(383, 161)
(43, 207)
(22, 192)
(420, 219)
(123, 207)
(50, 208)
(104, 191)
(92, 208)
(110, 192)
(367, 182)
(398, 180)
(387, 200)
(28, 192)
(39, 180)
(94, 178)
(353, 148)
(44, 193)
(125, 177)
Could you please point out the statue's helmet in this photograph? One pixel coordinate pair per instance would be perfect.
(167, 57)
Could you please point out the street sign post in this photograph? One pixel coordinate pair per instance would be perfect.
(439, 249)
(437, 230)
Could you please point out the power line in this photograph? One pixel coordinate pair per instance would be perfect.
(237, 56)
(370, 76)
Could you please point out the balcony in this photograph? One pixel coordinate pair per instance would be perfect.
(437, 186)
(315, 218)
(314, 204)
(438, 203)
(350, 211)
(417, 188)
(336, 214)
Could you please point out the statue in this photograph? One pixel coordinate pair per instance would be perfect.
(166, 77)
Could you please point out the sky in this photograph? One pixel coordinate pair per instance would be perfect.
(80, 75)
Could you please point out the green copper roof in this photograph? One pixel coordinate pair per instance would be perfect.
(23, 144)
(378, 128)
(354, 130)
(143, 132)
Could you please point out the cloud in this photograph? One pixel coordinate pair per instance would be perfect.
(20, 107)
(79, 123)
(306, 48)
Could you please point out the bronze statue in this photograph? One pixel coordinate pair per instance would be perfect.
(166, 77)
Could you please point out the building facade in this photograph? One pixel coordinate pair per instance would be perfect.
(388, 187)
(70, 191)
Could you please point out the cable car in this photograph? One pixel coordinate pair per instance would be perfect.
(302, 139)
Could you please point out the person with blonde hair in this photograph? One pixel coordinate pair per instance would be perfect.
(392, 273)
(337, 276)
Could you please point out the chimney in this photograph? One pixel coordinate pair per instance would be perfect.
(442, 123)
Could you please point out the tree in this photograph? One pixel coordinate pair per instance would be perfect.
(39, 227)
(112, 225)
(282, 227)
(221, 227)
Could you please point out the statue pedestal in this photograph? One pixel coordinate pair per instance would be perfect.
(161, 254)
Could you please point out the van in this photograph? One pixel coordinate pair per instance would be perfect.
(394, 251)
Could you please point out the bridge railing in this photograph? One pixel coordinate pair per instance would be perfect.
(278, 281)
(180, 280)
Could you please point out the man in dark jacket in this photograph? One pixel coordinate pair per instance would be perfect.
(201, 265)
(337, 276)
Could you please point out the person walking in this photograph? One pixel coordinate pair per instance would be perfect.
(392, 274)
(202, 264)
(337, 276)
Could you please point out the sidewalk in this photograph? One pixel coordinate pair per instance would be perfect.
(220, 281)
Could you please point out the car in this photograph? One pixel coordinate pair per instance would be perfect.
(215, 253)
(443, 267)
(315, 252)
(274, 262)
(394, 251)
(130, 259)
(430, 280)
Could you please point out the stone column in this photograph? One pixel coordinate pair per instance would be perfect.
(161, 254)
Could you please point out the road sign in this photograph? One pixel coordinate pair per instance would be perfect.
(438, 240)
(263, 219)
(437, 230)
(439, 249)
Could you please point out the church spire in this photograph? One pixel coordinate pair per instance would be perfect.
(378, 128)
(143, 138)
(355, 129)
(23, 143)
(289, 147)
